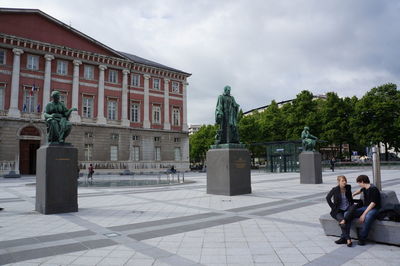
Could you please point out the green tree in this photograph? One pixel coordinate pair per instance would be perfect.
(249, 132)
(200, 142)
(335, 118)
(273, 123)
(376, 117)
(301, 112)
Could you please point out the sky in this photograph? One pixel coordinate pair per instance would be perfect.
(265, 50)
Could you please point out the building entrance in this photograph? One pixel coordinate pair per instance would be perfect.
(27, 159)
(28, 144)
(283, 156)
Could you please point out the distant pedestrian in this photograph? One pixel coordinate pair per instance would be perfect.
(333, 161)
(172, 170)
(91, 171)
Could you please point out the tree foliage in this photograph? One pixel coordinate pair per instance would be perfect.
(376, 117)
(373, 119)
(200, 142)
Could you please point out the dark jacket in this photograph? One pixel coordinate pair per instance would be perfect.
(335, 193)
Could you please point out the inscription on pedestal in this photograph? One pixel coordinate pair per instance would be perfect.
(228, 172)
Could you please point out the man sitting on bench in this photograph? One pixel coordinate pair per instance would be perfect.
(368, 212)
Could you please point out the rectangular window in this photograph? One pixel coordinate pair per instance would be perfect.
(175, 87)
(114, 136)
(88, 72)
(2, 93)
(88, 135)
(88, 152)
(157, 139)
(113, 153)
(2, 57)
(32, 62)
(30, 100)
(135, 112)
(156, 114)
(157, 153)
(112, 109)
(113, 76)
(176, 140)
(62, 67)
(156, 84)
(135, 80)
(176, 117)
(135, 155)
(177, 154)
(87, 110)
(135, 137)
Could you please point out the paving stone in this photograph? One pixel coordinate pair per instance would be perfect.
(277, 224)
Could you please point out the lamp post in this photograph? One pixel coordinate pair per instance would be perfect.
(376, 167)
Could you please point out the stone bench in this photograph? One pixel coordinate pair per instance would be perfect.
(386, 232)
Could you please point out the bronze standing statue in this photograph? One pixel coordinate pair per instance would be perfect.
(56, 116)
(308, 141)
(226, 114)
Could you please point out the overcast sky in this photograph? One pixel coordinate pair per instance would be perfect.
(265, 50)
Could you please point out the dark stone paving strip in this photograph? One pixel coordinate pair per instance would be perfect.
(258, 206)
(281, 220)
(44, 238)
(278, 202)
(315, 195)
(391, 183)
(10, 200)
(186, 228)
(283, 208)
(52, 251)
(275, 180)
(339, 256)
(127, 227)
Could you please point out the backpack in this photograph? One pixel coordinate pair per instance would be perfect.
(391, 211)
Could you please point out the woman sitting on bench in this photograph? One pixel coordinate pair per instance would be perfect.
(342, 208)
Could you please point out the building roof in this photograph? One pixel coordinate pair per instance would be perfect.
(279, 104)
(144, 61)
(130, 57)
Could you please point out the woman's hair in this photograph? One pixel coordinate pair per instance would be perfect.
(341, 177)
(362, 179)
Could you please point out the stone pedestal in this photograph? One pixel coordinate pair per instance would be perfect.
(310, 167)
(228, 171)
(56, 179)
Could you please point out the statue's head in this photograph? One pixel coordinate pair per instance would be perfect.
(55, 95)
(306, 128)
(227, 90)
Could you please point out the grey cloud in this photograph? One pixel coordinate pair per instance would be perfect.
(264, 49)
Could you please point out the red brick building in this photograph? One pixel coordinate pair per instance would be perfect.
(132, 112)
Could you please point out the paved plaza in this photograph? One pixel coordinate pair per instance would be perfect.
(182, 225)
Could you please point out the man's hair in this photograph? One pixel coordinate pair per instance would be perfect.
(340, 177)
(362, 179)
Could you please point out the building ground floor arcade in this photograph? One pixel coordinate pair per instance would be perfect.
(111, 149)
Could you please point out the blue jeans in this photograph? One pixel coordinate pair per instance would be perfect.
(346, 215)
(369, 219)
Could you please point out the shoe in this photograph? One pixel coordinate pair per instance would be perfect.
(341, 241)
(350, 244)
(361, 242)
